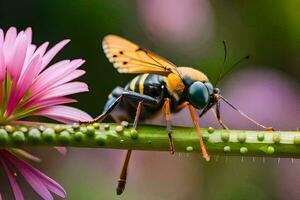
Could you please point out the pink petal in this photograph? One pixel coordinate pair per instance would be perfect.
(36, 183)
(10, 36)
(12, 180)
(41, 81)
(9, 43)
(15, 66)
(53, 74)
(75, 74)
(60, 91)
(49, 102)
(64, 114)
(52, 185)
(66, 89)
(2, 65)
(2, 61)
(28, 33)
(29, 75)
(32, 52)
(52, 52)
(62, 150)
(30, 176)
(42, 49)
(25, 81)
(1, 37)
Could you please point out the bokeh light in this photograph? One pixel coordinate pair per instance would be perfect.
(183, 24)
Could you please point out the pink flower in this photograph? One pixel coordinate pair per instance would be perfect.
(29, 87)
(41, 183)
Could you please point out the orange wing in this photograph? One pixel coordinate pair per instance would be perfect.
(128, 57)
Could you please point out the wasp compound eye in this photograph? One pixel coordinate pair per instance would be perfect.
(209, 87)
(198, 94)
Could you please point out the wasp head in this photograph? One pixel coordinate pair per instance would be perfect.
(203, 95)
(200, 94)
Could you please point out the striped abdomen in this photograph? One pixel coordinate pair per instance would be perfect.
(148, 84)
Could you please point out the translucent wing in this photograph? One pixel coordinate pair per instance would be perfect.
(128, 57)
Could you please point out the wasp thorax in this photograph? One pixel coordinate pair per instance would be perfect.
(199, 93)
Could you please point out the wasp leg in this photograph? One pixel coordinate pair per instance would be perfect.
(101, 117)
(196, 123)
(123, 175)
(217, 114)
(168, 123)
(147, 100)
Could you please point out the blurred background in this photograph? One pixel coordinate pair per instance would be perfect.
(189, 33)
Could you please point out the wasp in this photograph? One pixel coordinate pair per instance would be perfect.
(160, 86)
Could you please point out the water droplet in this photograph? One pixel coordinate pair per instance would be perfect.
(119, 129)
(189, 149)
(9, 128)
(106, 126)
(225, 136)
(260, 136)
(276, 138)
(210, 130)
(270, 150)
(124, 124)
(241, 137)
(90, 130)
(243, 150)
(96, 125)
(227, 149)
(134, 134)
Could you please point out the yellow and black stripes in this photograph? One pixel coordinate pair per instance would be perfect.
(138, 84)
(147, 84)
(133, 83)
(142, 82)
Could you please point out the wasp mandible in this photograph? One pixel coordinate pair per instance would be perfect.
(161, 85)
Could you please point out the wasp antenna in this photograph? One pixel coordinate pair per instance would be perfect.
(235, 64)
(232, 67)
(224, 61)
(244, 115)
(225, 52)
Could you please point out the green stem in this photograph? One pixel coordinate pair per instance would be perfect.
(154, 138)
